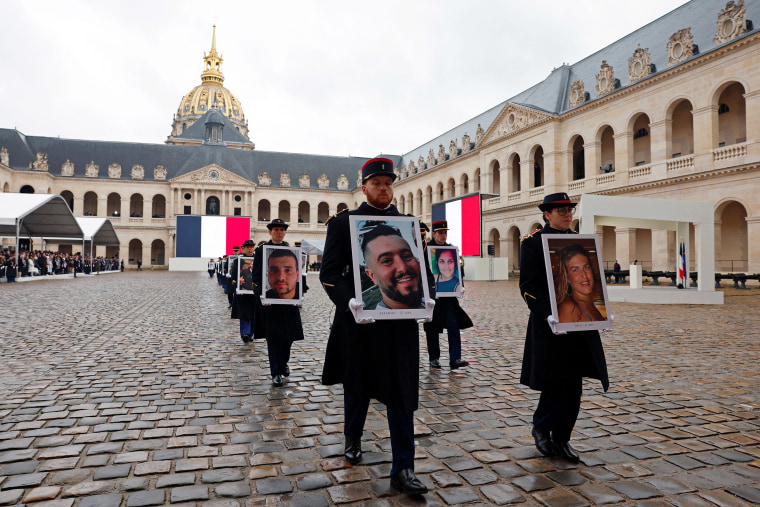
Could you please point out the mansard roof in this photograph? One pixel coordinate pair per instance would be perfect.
(197, 131)
(552, 95)
(177, 159)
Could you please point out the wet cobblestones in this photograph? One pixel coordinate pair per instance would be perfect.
(134, 389)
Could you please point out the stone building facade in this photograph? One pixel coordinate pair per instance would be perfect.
(670, 111)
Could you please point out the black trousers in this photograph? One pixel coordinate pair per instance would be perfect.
(400, 424)
(279, 355)
(558, 410)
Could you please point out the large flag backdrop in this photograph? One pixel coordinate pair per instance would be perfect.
(463, 217)
(210, 236)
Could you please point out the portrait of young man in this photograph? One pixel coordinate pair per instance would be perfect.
(283, 274)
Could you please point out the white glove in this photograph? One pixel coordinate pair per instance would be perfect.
(264, 302)
(553, 325)
(611, 318)
(462, 290)
(355, 306)
(228, 275)
(429, 306)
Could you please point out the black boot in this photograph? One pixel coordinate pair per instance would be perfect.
(353, 452)
(406, 482)
(543, 441)
(563, 450)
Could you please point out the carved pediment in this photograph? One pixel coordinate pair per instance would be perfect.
(511, 119)
(159, 172)
(342, 182)
(304, 181)
(680, 46)
(323, 181)
(4, 156)
(67, 169)
(264, 179)
(114, 170)
(211, 174)
(138, 172)
(91, 170)
(605, 80)
(284, 179)
(41, 164)
(732, 22)
(639, 65)
(577, 93)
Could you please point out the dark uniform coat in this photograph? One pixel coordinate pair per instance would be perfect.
(274, 322)
(379, 360)
(443, 305)
(550, 361)
(242, 304)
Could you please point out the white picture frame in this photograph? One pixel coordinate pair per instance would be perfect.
(278, 275)
(243, 285)
(376, 282)
(450, 286)
(590, 309)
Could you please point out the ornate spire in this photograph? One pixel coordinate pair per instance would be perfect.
(212, 72)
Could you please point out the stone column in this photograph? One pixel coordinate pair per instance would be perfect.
(553, 180)
(592, 158)
(124, 209)
(659, 135)
(78, 206)
(663, 248)
(706, 130)
(625, 245)
(752, 105)
(293, 213)
(753, 247)
(102, 206)
(717, 242)
(146, 255)
(623, 155)
(599, 231)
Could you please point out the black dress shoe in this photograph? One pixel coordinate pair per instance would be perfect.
(287, 371)
(543, 441)
(277, 380)
(458, 363)
(406, 482)
(435, 363)
(564, 451)
(246, 338)
(353, 452)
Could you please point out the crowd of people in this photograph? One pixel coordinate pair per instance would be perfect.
(48, 263)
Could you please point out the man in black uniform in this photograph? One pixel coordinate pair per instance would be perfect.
(447, 315)
(377, 360)
(554, 365)
(280, 325)
(242, 304)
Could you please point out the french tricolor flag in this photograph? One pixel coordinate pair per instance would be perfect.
(210, 236)
(463, 217)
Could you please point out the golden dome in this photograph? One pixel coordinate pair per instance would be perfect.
(208, 94)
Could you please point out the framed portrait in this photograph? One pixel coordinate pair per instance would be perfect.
(577, 287)
(389, 267)
(245, 275)
(444, 263)
(282, 270)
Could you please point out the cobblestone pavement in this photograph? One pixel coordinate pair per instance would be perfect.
(134, 389)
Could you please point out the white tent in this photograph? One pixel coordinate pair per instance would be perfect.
(42, 215)
(312, 247)
(98, 231)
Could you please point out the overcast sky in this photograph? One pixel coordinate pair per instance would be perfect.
(323, 77)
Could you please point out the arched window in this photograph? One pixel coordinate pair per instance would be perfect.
(732, 116)
(136, 206)
(212, 206)
(27, 189)
(159, 206)
(682, 130)
(68, 196)
(113, 205)
(90, 204)
(304, 213)
(323, 212)
(579, 159)
(157, 253)
(264, 211)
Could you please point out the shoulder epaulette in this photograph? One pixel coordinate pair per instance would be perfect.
(335, 215)
(261, 243)
(529, 235)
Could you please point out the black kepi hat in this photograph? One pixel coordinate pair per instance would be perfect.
(424, 227)
(277, 222)
(558, 200)
(248, 242)
(378, 167)
(440, 225)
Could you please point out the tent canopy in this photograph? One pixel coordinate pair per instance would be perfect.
(312, 247)
(40, 215)
(98, 230)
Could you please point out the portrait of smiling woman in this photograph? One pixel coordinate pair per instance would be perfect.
(576, 286)
(445, 262)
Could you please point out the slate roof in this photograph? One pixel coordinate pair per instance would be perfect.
(552, 94)
(177, 159)
(197, 131)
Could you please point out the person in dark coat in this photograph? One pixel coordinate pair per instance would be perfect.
(447, 314)
(280, 325)
(377, 360)
(552, 364)
(242, 304)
